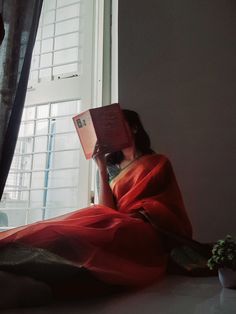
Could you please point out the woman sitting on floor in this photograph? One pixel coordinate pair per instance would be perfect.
(113, 240)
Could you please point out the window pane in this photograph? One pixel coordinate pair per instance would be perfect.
(67, 12)
(26, 129)
(34, 75)
(24, 145)
(48, 31)
(14, 199)
(41, 127)
(62, 178)
(13, 217)
(39, 161)
(64, 125)
(38, 36)
(49, 17)
(65, 108)
(49, 5)
(69, 68)
(28, 113)
(46, 60)
(47, 45)
(61, 3)
(60, 197)
(67, 26)
(35, 62)
(40, 143)
(4, 221)
(45, 74)
(66, 141)
(35, 215)
(24, 180)
(42, 111)
(64, 56)
(18, 180)
(55, 212)
(66, 41)
(56, 54)
(36, 198)
(58, 30)
(65, 159)
(38, 179)
(21, 162)
(36, 48)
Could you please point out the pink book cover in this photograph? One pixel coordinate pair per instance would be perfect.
(105, 125)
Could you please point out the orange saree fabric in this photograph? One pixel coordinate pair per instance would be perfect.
(115, 247)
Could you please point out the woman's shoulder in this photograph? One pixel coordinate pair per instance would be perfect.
(156, 161)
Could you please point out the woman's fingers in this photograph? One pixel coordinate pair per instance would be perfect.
(99, 157)
(99, 149)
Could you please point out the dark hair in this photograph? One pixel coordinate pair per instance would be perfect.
(141, 138)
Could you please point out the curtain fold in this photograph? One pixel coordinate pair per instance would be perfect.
(20, 18)
(2, 30)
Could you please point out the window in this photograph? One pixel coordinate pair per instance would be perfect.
(58, 47)
(49, 175)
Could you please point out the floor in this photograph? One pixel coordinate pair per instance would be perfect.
(172, 295)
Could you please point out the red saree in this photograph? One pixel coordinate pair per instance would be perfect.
(115, 247)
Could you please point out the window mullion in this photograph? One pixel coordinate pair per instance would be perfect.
(31, 169)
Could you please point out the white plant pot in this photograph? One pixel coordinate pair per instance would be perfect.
(227, 277)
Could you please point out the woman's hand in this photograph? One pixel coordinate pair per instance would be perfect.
(105, 194)
(99, 158)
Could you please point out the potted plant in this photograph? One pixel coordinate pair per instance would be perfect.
(224, 259)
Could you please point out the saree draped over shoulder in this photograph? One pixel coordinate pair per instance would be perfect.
(114, 246)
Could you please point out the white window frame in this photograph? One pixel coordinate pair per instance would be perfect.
(87, 87)
(114, 52)
(108, 69)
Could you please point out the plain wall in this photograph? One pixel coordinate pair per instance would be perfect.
(177, 68)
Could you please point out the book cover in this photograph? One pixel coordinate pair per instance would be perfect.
(105, 125)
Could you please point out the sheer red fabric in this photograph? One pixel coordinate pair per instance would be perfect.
(117, 248)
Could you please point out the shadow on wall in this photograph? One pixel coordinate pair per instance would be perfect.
(177, 70)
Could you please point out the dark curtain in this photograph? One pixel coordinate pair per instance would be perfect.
(20, 18)
(2, 30)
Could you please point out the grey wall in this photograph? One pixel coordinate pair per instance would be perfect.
(177, 68)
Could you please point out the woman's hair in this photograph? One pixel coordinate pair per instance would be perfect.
(141, 138)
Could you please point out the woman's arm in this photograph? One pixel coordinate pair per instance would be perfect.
(106, 197)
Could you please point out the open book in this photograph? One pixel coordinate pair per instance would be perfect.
(105, 125)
